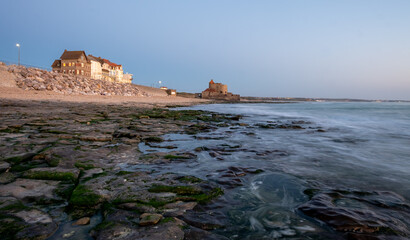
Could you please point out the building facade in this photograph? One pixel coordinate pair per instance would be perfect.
(127, 78)
(78, 63)
(73, 62)
(96, 67)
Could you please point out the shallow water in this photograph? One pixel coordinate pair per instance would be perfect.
(357, 147)
(363, 142)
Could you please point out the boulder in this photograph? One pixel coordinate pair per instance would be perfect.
(82, 221)
(4, 166)
(147, 219)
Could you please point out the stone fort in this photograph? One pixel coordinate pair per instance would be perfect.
(219, 91)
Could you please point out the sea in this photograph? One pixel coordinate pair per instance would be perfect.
(328, 168)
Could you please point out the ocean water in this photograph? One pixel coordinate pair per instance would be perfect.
(363, 143)
(361, 151)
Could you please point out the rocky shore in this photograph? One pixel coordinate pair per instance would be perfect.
(112, 171)
(61, 168)
(42, 80)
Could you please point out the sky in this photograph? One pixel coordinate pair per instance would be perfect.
(267, 48)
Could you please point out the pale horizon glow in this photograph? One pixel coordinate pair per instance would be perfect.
(319, 49)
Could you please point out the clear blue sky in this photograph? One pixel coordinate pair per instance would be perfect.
(298, 48)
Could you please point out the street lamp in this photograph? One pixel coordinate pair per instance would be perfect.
(18, 45)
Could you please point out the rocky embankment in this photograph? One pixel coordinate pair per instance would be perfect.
(64, 174)
(42, 80)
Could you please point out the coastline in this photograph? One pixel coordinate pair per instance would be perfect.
(17, 94)
(63, 164)
(96, 170)
(95, 166)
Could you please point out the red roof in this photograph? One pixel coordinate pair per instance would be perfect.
(212, 81)
(111, 63)
(210, 90)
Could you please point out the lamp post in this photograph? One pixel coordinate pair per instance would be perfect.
(18, 45)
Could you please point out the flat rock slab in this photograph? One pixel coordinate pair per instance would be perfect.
(6, 177)
(178, 208)
(6, 201)
(204, 220)
(138, 207)
(91, 172)
(4, 166)
(96, 138)
(169, 230)
(29, 188)
(193, 233)
(147, 219)
(34, 216)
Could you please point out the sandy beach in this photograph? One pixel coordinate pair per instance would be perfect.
(14, 93)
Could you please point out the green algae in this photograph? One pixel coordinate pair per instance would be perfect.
(203, 197)
(83, 196)
(49, 175)
(85, 166)
(153, 139)
(16, 206)
(10, 226)
(151, 202)
(104, 225)
(181, 190)
(96, 175)
(166, 220)
(189, 179)
(23, 167)
(122, 173)
(188, 193)
(170, 156)
(21, 158)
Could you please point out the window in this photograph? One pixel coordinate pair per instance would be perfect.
(64, 70)
(63, 64)
(78, 72)
(82, 64)
(82, 72)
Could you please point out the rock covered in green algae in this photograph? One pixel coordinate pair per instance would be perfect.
(7, 177)
(53, 173)
(147, 219)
